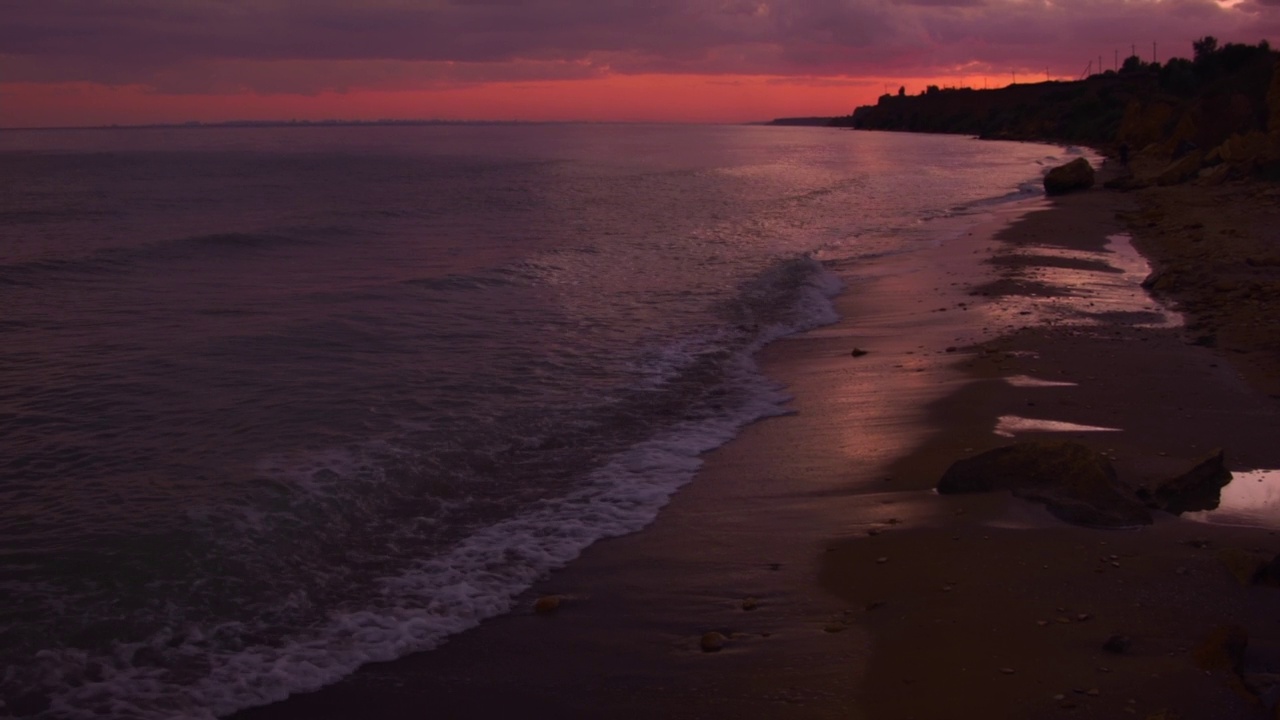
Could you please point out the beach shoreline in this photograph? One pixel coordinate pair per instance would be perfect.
(814, 545)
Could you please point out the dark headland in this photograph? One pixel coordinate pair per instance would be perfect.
(811, 571)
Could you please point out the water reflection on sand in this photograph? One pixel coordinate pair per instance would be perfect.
(1251, 498)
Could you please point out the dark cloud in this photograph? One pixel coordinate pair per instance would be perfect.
(290, 45)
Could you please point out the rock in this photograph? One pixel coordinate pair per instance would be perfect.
(750, 604)
(1270, 573)
(1217, 175)
(547, 604)
(1179, 171)
(1222, 649)
(712, 642)
(1118, 644)
(1246, 567)
(1199, 488)
(1076, 484)
(1252, 147)
(858, 352)
(1075, 175)
(1273, 100)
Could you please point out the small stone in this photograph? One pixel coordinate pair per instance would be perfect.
(750, 604)
(547, 604)
(873, 605)
(835, 627)
(882, 560)
(1082, 617)
(1093, 692)
(1042, 623)
(1006, 670)
(858, 352)
(712, 642)
(1059, 697)
(1118, 644)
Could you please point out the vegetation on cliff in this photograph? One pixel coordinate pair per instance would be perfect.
(1224, 92)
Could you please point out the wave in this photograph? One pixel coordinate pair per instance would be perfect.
(116, 260)
(697, 393)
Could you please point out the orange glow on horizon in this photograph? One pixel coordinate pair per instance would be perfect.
(623, 98)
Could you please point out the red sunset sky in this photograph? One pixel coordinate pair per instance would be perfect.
(93, 62)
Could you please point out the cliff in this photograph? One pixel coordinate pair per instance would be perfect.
(1223, 104)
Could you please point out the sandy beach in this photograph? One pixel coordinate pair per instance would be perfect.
(842, 586)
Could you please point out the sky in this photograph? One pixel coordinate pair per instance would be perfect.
(99, 62)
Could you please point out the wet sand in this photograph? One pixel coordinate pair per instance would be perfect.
(844, 587)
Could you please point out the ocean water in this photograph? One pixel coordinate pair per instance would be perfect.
(277, 402)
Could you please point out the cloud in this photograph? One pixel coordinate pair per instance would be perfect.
(191, 46)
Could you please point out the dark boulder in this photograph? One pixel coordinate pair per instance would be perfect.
(1199, 488)
(1075, 175)
(1076, 484)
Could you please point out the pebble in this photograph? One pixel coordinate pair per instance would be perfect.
(882, 560)
(750, 603)
(1006, 670)
(547, 604)
(712, 642)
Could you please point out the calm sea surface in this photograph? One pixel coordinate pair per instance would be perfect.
(278, 402)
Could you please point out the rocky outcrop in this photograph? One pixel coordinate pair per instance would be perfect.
(1181, 170)
(1199, 488)
(1144, 123)
(1076, 484)
(1075, 175)
(1273, 101)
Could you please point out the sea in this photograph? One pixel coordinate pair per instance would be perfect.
(276, 402)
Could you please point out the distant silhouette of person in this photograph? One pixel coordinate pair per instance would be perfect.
(1124, 154)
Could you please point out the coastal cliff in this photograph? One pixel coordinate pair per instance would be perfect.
(1220, 108)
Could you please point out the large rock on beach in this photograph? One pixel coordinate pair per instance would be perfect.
(1075, 175)
(1199, 488)
(1075, 483)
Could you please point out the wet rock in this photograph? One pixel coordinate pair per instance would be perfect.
(1076, 484)
(712, 642)
(1199, 488)
(1075, 175)
(1223, 649)
(750, 604)
(858, 352)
